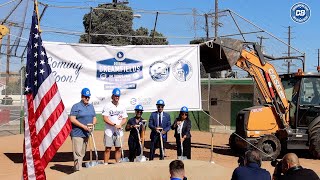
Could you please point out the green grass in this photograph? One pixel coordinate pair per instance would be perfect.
(199, 120)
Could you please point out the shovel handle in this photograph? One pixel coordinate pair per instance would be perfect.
(90, 146)
(161, 143)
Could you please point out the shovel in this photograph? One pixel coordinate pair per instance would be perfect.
(141, 157)
(122, 159)
(144, 125)
(181, 145)
(92, 141)
(161, 142)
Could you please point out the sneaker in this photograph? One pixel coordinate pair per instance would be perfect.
(106, 163)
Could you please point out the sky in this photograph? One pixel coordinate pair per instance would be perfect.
(272, 16)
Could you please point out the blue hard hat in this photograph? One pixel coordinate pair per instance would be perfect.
(116, 92)
(85, 92)
(138, 108)
(160, 102)
(184, 109)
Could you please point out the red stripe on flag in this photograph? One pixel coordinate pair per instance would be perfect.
(46, 99)
(56, 143)
(39, 169)
(56, 113)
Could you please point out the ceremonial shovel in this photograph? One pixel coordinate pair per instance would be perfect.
(91, 140)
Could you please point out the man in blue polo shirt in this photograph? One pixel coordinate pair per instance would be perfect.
(82, 114)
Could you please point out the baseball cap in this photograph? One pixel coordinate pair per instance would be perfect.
(184, 109)
(160, 102)
(85, 92)
(138, 108)
(116, 92)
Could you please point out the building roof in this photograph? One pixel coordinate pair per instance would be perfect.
(228, 81)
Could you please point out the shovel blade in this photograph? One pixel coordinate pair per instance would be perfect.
(141, 159)
(124, 159)
(182, 158)
(92, 163)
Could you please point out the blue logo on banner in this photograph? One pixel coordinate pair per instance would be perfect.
(159, 71)
(300, 12)
(182, 70)
(120, 56)
(119, 70)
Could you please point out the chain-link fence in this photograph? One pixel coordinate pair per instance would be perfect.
(65, 23)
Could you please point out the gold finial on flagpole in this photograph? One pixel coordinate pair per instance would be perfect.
(37, 12)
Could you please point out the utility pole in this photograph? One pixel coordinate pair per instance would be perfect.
(115, 2)
(8, 62)
(318, 67)
(216, 21)
(154, 27)
(194, 14)
(206, 27)
(289, 48)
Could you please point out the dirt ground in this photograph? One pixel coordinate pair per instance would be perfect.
(61, 165)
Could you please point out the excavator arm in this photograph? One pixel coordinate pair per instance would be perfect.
(223, 53)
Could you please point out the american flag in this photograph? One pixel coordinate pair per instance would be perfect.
(46, 123)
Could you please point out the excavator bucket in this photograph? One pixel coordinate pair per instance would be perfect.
(220, 53)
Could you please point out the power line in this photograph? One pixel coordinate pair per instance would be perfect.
(7, 3)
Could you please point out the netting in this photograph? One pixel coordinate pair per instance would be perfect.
(63, 22)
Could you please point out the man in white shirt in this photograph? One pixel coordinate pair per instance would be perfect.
(115, 116)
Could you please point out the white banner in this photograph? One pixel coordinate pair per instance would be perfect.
(143, 73)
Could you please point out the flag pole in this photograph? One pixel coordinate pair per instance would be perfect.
(37, 12)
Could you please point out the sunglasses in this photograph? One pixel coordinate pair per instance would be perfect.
(86, 97)
(184, 114)
(159, 107)
(139, 112)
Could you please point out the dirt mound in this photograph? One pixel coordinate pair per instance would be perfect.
(151, 170)
(11, 154)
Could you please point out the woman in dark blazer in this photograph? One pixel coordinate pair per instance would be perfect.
(182, 128)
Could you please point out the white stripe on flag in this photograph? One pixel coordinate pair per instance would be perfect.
(43, 89)
(28, 148)
(54, 131)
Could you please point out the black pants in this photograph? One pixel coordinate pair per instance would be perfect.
(134, 148)
(155, 142)
(186, 147)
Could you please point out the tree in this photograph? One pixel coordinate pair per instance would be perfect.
(117, 25)
(148, 41)
(12, 88)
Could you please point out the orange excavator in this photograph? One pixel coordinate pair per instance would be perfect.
(290, 116)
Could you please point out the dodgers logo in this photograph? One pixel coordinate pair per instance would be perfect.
(133, 101)
(182, 70)
(119, 69)
(159, 71)
(300, 12)
(120, 56)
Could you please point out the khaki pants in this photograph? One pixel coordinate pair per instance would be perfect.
(79, 147)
